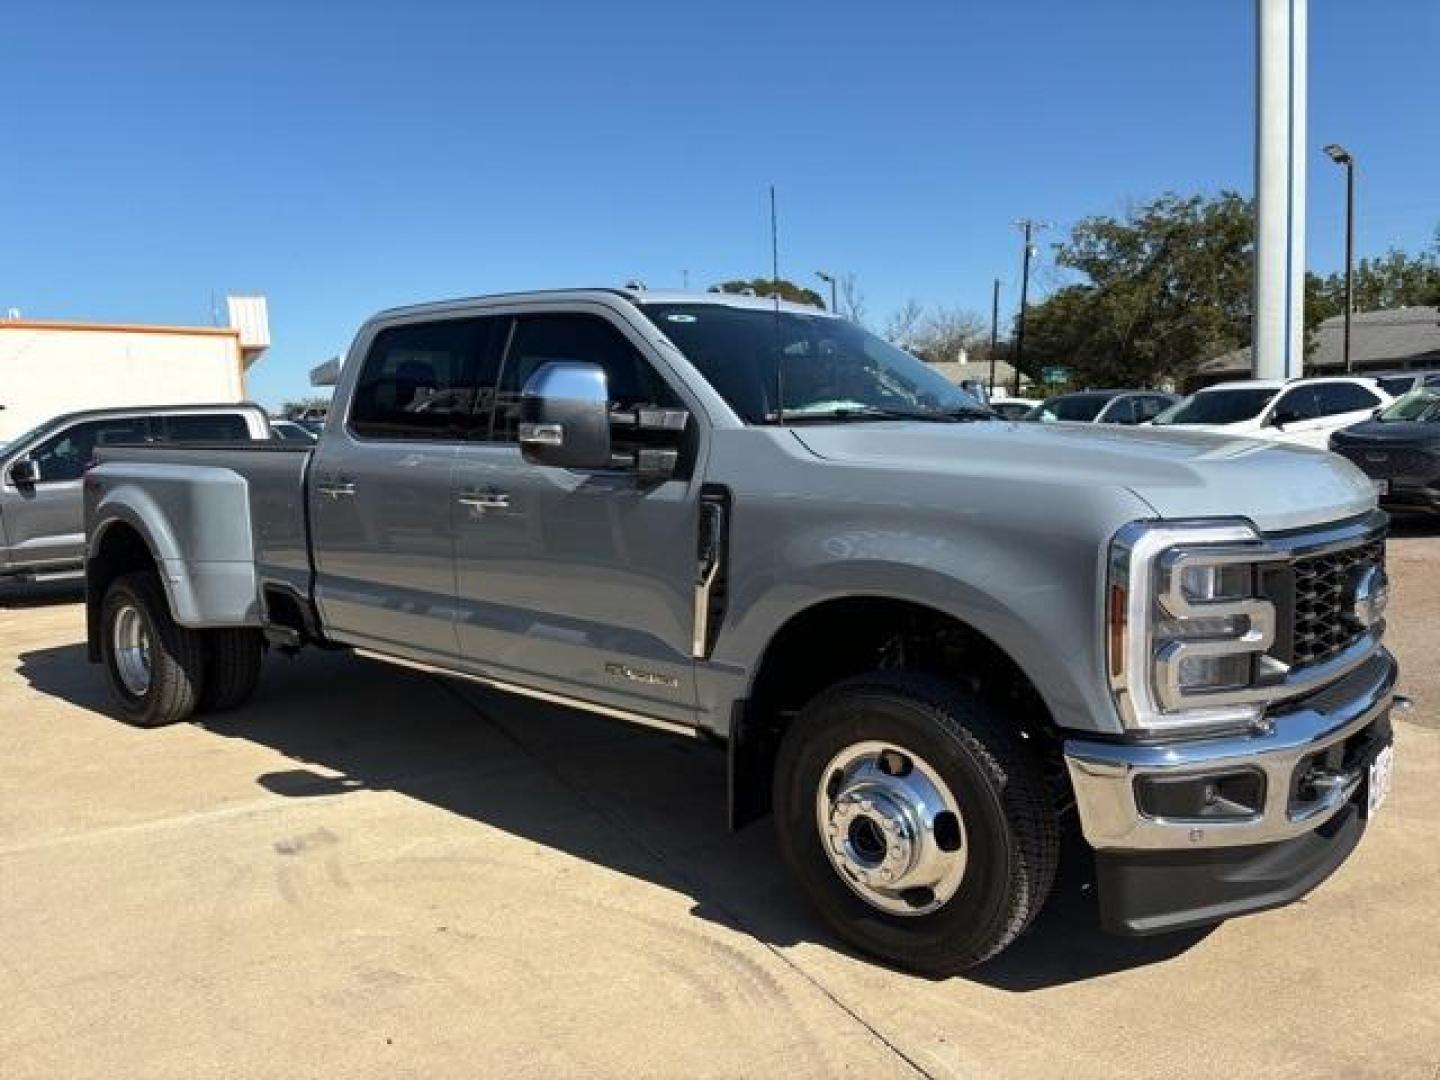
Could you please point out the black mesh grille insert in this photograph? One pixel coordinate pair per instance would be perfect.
(1324, 625)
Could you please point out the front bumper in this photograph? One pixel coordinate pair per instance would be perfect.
(1166, 872)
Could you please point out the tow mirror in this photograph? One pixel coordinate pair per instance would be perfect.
(564, 416)
(25, 472)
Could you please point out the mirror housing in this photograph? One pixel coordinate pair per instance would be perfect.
(1280, 417)
(25, 472)
(565, 417)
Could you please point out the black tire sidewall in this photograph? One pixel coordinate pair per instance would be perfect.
(176, 661)
(979, 910)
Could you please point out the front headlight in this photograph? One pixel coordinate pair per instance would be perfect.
(1188, 628)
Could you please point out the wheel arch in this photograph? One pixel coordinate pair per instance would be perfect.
(842, 636)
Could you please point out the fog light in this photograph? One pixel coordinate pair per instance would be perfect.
(1239, 794)
(1199, 673)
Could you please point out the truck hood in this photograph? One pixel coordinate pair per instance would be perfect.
(1179, 474)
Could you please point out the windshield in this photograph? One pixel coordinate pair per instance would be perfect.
(26, 437)
(830, 369)
(1083, 407)
(1422, 405)
(1219, 406)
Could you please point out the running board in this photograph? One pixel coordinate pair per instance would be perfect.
(670, 727)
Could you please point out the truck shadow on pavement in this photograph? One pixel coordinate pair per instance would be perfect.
(16, 595)
(645, 804)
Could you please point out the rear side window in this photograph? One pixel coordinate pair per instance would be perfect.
(427, 380)
(205, 427)
(1334, 398)
(1151, 406)
(543, 339)
(64, 456)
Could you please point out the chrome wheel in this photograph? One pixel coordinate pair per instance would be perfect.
(131, 643)
(891, 828)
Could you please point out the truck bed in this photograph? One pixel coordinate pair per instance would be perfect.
(274, 477)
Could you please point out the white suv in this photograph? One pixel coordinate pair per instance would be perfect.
(1302, 411)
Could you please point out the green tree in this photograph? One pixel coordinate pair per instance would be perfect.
(1393, 280)
(1163, 288)
(764, 286)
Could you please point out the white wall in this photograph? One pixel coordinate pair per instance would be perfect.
(47, 371)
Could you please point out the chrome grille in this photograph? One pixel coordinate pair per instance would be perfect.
(1323, 623)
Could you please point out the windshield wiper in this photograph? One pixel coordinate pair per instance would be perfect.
(864, 412)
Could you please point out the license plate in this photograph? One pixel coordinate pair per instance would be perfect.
(1382, 487)
(1382, 777)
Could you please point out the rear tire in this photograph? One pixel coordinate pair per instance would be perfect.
(232, 668)
(156, 666)
(984, 856)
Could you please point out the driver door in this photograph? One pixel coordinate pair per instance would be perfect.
(577, 582)
(45, 521)
(1295, 418)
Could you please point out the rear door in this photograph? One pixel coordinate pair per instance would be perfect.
(579, 583)
(380, 490)
(45, 521)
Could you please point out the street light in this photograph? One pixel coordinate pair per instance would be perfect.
(829, 279)
(1338, 154)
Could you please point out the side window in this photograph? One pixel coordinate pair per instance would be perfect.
(427, 380)
(1296, 404)
(1335, 398)
(541, 339)
(1151, 406)
(205, 427)
(1122, 411)
(64, 456)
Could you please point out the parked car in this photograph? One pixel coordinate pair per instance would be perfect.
(1400, 450)
(927, 640)
(291, 431)
(41, 509)
(1103, 406)
(1302, 411)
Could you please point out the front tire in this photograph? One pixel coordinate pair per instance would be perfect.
(916, 821)
(156, 666)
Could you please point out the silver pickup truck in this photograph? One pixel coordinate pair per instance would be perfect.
(42, 530)
(931, 641)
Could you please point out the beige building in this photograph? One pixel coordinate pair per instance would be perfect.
(48, 368)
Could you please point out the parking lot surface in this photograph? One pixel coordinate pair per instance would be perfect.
(371, 872)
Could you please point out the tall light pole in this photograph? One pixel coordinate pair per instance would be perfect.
(994, 331)
(829, 279)
(1338, 154)
(1028, 226)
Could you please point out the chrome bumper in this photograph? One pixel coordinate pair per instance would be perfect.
(1104, 774)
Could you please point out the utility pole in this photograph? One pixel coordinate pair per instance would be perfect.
(1029, 226)
(994, 331)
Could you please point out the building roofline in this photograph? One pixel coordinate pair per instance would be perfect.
(117, 328)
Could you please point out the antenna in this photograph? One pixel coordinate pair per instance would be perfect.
(775, 289)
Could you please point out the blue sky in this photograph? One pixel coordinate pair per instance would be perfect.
(343, 158)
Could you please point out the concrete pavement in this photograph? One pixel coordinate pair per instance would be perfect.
(370, 872)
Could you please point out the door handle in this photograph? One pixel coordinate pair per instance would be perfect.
(336, 489)
(484, 500)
